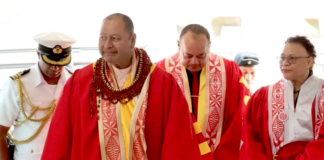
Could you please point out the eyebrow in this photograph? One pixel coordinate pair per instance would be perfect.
(105, 34)
(282, 54)
(198, 54)
(201, 54)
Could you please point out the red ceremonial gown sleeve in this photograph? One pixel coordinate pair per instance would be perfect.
(73, 134)
(173, 128)
(257, 140)
(58, 142)
(179, 136)
(199, 136)
(229, 145)
(314, 149)
(161, 64)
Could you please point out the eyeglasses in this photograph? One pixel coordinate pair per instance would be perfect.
(290, 60)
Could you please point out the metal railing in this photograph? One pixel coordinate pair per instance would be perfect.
(27, 65)
(78, 50)
(74, 50)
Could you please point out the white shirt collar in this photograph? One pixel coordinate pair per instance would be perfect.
(39, 79)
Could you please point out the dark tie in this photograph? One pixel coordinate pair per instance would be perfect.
(195, 92)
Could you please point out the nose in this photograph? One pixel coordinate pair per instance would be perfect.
(285, 62)
(107, 44)
(248, 77)
(55, 68)
(194, 60)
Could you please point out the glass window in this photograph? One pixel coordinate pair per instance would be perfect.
(226, 26)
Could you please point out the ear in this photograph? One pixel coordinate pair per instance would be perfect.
(208, 47)
(133, 40)
(310, 62)
(38, 54)
(178, 42)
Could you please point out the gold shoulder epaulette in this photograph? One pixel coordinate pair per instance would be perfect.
(18, 75)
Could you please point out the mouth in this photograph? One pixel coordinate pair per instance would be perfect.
(56, 73)
(194, 66)
(111, 53)
(285, 70)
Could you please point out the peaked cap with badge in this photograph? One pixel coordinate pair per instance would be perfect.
(247, 59)
(55, 48)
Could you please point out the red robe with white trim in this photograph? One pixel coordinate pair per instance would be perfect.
(229, 146)
(169, 132)
(257, 141)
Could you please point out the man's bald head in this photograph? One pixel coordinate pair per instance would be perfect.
(129, 26)
(196, 29)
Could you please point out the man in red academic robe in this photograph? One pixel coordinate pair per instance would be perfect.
(214, 88)
(285, 120)
(121, 107)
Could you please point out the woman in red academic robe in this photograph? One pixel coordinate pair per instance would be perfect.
(285, 120)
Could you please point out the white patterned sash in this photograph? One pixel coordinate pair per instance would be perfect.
(276, 104)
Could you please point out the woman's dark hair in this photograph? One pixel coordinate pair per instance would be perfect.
(304, 41)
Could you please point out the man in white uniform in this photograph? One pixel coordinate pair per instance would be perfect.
(28, 98)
